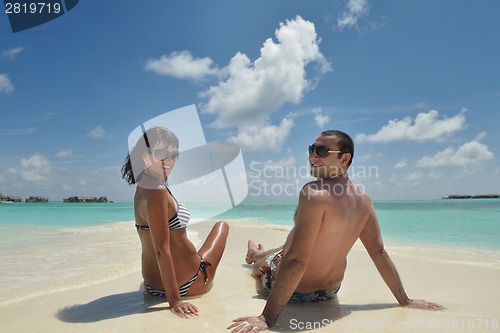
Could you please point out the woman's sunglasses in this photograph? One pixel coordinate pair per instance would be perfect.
(163, 154)
(322, 151)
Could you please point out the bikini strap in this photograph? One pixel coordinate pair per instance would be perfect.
(203, 268)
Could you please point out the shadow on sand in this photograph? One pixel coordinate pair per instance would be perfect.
(299, 317)
(112, 306)
(296, 317)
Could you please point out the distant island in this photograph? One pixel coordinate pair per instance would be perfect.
(9, 199)
(85, 199)
(36, 199)
(470, 196)
(32, 199)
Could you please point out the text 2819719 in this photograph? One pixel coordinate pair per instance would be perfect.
(33, 8)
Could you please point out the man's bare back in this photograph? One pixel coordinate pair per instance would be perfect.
(331, 215)
(346, 212)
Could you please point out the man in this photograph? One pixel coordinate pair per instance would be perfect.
(332, 214)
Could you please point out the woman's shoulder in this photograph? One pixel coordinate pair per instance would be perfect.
(145, 193)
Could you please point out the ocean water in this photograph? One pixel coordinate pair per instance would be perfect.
(60, 246)
(64, 214)
(472, 223)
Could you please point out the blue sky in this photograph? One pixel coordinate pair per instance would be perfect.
(415, 83)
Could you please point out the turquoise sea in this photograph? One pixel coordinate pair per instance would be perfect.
(56, 246)
(471, 223)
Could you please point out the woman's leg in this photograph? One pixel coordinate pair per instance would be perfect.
(211, 251)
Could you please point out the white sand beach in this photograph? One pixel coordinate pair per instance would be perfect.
(469, 292)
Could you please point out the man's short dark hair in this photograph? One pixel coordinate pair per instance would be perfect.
(346, 145)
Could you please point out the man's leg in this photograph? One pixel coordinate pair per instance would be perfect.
(257, 255)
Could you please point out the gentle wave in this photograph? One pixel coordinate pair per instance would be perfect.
(51, 259)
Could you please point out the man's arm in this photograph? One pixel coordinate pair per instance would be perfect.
(308, 220)
(371, 238)
(292, 266)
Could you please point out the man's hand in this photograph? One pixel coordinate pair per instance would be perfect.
(249, 324)
(424, 305)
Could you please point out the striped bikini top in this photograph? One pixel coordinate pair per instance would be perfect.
(180, 219)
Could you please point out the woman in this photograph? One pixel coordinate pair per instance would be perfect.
(171, 266)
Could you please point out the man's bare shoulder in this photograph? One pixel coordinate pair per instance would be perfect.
(321, 189)
(363, 198)
(362, 194)
(314, 191)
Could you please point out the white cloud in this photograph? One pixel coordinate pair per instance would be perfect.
(280, 178)
(425, 127)
(414, 177)
(252, 91)
(278, 165)
(248, 92)
(263, 137)
(65, 153)
(24, 131)
(12, 53)
(283, 169)
(36, 168)
(472, 152)
(44, 117)
(320, 117)
(6, 85)
(434, 175)
(401, 164)
(182, 65)
(98, 132)
(354, 10)
(481, 136)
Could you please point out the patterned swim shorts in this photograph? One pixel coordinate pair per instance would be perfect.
(268, 277)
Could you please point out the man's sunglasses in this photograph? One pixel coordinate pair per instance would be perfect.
(322, 151)
(163, 154)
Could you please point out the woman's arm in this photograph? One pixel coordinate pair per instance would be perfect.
(157, 214)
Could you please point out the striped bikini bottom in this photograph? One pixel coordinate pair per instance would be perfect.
(185, 287)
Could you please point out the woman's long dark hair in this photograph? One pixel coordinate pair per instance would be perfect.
(134, 164)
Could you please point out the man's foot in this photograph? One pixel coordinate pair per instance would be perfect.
(253, 252)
